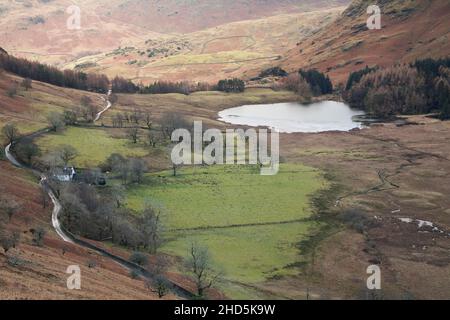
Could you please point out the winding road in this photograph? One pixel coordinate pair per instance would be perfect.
(69, 238)
(56, 204)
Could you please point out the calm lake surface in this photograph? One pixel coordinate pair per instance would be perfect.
(296, 117)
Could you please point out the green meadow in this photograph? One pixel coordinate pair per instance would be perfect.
(93, 145)
(252, 224)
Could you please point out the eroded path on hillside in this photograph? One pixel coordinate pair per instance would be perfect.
(108, 105)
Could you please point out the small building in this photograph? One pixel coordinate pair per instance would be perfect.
(66, 174)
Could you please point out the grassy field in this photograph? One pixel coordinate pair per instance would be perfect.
(229, 195)
(250, 223)
(93, 145)
(247, 254)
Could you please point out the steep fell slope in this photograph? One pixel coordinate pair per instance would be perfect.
(410, 30)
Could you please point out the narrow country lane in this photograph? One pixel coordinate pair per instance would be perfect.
(57, 207)
(56, 204)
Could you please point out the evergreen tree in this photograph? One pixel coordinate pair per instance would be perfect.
(319, 83)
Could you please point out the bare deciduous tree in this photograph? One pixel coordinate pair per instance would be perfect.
(133, 134)
(38, 236)
(171, 121)
(153, 138)
(9, 207)
(137, 169)
(151, 229)
(85, 101)
(70, 117)
(26, 83)
(136, 116)
(92, 111)
(66, 153)
(148, 120)
(12, 90)
(10, 132)
(139, 258)
(44, 198)
(158, 285)
(56, 121)
(27, 150)
(9, 240)
(118, 120)
(118, 195)
(199, 264)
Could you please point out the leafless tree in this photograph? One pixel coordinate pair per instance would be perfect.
(199, 264)
(136, 116)
(137, 169)
(12, 90)
(88, 109)
(9, 240)
(44, 198)
(56, 121)
(148, 120)
(9, 207)
(118, 195)
(151, 229)
(70, 117)
(10, 132)
(139, 258)
(118, 120)
(153, 138)
(159, 284)
(85, 101)
(66, 153)
(133, 134)
(127, 117)
(171, 121)
(124, 169)
(38, 236)
(92, 111)
(112, 164)
(125, 234)
(26, 83)
(92, 176)
(52, 162)
(27, 150)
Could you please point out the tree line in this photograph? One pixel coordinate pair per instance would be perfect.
(33, 70)
(306, 83)
(318, 81)
(419, 87)
(52, 75)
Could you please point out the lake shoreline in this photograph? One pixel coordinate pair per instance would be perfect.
(295, 117)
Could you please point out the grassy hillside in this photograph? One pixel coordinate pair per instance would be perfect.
(29, 109)
(39, 272)
(211, 54)
(148, 40)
